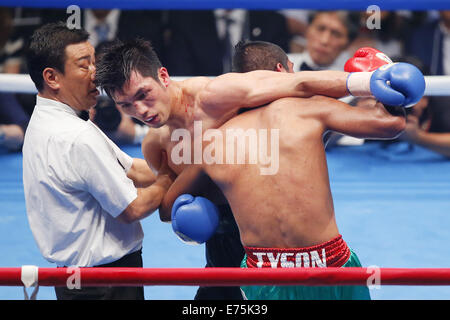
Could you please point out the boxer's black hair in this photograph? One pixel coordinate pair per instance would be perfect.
(116, 62)
(258, 55)
(47, 49)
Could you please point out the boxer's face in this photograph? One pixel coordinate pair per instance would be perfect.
(326, 38)
(75, 85)
(145, 99)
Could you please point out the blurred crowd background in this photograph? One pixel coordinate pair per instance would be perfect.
(200, 43)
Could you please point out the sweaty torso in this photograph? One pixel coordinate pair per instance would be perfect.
(281, 201)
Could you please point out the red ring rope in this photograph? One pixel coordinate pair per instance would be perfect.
(231, 276)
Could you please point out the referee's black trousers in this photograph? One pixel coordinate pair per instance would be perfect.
(107, 293)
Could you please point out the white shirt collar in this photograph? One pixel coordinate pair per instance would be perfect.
(310, 62)
(338, 63)
(41, 101)
(304, 57)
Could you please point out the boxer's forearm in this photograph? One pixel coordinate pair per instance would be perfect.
(147, 201)
(327, 83)
(302, 84)
(165, 209)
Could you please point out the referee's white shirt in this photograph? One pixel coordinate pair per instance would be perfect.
(75, 186)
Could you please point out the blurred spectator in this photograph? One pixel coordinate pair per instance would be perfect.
(102, 25)
(146, 24)
(297, 22)
(202, 42)
(429, 125)
(106, 25)
(431, 44)
(13, 122)
(11, 44)
(387, 37)
(13, 118)
(328, 35)
(439, 114)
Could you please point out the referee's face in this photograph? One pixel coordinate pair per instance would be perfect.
(76, 85)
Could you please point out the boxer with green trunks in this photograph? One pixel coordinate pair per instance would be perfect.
(293, 207)
(333, 253)
(281, 201)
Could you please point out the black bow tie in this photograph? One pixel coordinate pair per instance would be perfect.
(305, 67)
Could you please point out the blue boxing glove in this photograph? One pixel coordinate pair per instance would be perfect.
(397, 84)
(194, 219)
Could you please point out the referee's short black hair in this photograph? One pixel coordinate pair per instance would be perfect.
(47, 49)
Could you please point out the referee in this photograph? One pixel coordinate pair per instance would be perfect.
(84, 196)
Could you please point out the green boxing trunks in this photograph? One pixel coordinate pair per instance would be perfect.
(333, 253)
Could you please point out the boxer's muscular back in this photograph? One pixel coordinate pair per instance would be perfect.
(291, 204)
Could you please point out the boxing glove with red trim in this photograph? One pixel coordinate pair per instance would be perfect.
(374, 74)
(366, 59)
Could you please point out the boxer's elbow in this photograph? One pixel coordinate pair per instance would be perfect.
(398, 126)
(164, 214)
(165, 218)
(165, 209)
(390, 127)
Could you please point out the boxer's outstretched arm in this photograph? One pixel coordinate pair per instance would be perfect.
(190, 181)
(233, 91)
(365, 121)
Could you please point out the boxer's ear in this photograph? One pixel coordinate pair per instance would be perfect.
(164, 77)
(279, 68)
